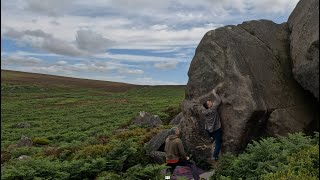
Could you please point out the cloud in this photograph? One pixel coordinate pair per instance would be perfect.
(131, 71)
(91, 41)
(19, 60)
(151, 81)
(76, 34)
(44, 41)
(12, 33)
(48, 7)
(61, 63)
(135, 58)
(166, 65)
(55, 22)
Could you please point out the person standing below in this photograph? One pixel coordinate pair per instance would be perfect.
(212, 122)
(175, 154)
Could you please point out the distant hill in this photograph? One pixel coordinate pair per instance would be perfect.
(9, 76)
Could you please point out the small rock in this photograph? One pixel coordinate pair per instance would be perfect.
(147, 119)
(23, 157)
(22, 125)
(24, 141)
(207, 175)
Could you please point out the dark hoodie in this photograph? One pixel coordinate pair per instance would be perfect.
(174, 149)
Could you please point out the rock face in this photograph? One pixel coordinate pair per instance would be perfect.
(157, 142)
(304, 42)
(251, 64)
(147, 120)
(177, 119)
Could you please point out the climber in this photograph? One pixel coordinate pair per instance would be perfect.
(175, 154)
(212, 122)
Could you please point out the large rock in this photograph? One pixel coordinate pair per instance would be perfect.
(157, 142)
(155, 147)
(251, 63)
(304, 42)
(147, 120)
(177, 119)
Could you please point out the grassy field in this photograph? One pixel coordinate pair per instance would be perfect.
(73, 119)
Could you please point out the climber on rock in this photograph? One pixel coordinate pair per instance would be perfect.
(175, 154)
(212, 122)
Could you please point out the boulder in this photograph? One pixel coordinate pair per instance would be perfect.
(22, 125)
(157, 142)
(24, 141)
(304, 44)
(251, 65)
(177, 119)
(147, 120)
(155, 147)
(23, 157)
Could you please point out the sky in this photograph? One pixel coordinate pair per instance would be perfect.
(133, 41)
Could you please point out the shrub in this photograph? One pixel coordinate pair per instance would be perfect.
(32, 169)
(85, 168)
(273, 157)
(40, 141)
(29, 151)
(169, 113)
(98, 150)
(139, 156)
(301, 165)
(148, 172)
(107, 175)
(130, 133)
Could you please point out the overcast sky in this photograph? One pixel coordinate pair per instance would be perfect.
(133, 41)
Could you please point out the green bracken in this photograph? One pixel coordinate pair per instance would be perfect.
(78, 133)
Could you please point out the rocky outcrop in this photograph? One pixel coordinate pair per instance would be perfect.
(177, 119)
(304, 43)
(147, 120)
(251, 65)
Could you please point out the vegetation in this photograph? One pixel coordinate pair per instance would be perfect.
(86, 133)
(79, 132)
(292, 157)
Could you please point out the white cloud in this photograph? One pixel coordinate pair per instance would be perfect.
(151, 81)
(61, 63)
(166, 65)
(135, 58)
(48, 7)
(131, 71)
(19, 60)
(44, 41)
(91, 41)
